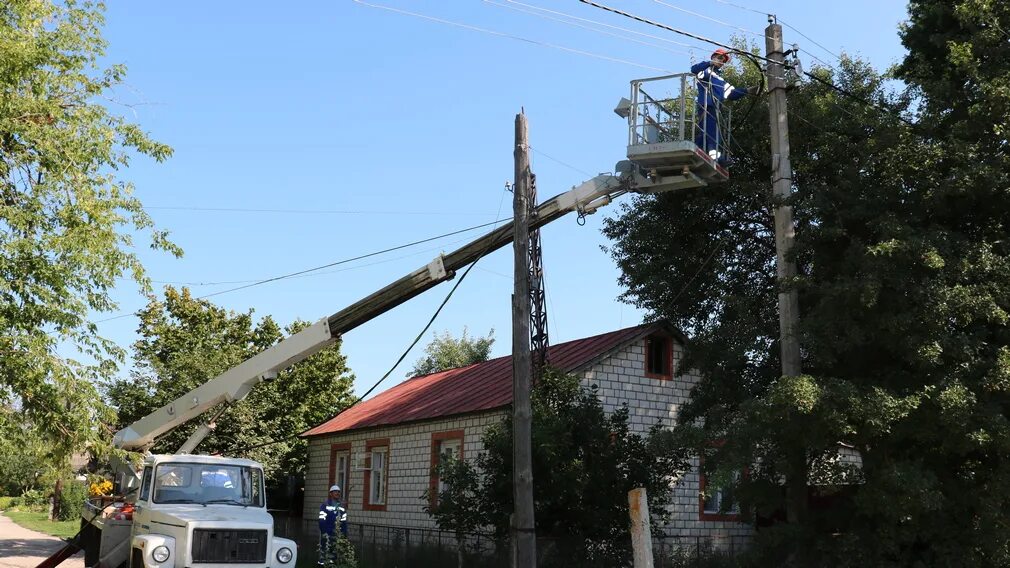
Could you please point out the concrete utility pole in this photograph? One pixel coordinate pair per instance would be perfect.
(641, 528)
(789, 306)
(524, 544)
(782, 182)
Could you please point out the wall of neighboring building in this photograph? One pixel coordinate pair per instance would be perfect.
(621, 378)
(410, 447)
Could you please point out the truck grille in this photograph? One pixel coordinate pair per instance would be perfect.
(212, 546)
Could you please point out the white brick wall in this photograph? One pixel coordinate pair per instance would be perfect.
(620, 378)
(409, 467)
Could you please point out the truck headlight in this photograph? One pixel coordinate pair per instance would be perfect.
(284, 555)
(160, 554)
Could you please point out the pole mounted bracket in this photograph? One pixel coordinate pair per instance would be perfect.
(436, 268)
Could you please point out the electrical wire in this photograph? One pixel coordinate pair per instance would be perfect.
(303, 211)
(766, 59)
(384, 377)
(578, 25)
(401, 357)
(672, 29)
(709, 18)
(763, 13)
(606, 25)
(321, 267)
(510, 36)
(553, 159)
(811, 40)
(857, 98)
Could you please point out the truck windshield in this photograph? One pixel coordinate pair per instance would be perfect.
(208, 484)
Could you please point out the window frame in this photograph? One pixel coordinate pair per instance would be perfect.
(146, 481)
(704, 515)
(668, 342)
(335, 451)
(437, 438)
(370, 447)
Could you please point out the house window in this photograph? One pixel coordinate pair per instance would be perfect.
(444, 445)
(659, 357)
(718, 503)
(376, 474)
(340, 467)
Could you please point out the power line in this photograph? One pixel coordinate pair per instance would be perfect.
(704, 17)
(567, 165)
(763, 58)
(675, 30)
(303, 211)
(856, 97)
(321, 267)
(405, 352)
(578, 25)
(811, 40)
(609, 26)
(510, 36)
(384, 377)
(762, 12)
(313, 274)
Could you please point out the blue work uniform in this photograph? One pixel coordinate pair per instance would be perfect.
(712, 90)
(331, 513)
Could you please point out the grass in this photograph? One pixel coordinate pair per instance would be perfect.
(40, 522)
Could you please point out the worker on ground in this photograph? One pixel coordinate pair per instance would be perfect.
(331, 513)
(712, 91)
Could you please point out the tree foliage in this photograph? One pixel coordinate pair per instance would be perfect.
(584, 463)
(67, 219)
(27, 461)
(446, 352)
(187, 341)
(454, 508)
(904, 286)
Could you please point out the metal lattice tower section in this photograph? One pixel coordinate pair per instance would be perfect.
(539, 340)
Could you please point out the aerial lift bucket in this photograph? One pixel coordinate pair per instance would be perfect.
(673, 143)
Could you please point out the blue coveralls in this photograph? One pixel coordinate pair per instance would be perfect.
(331, 512)
(712, 90)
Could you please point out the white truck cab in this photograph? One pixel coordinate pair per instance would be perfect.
(197, 511)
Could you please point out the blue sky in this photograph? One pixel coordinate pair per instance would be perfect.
(360, 129)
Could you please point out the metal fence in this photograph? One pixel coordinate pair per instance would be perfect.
(381, 546)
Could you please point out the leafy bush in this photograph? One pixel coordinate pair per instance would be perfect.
(72, 500)
(33, 499)
(8, 503)
(339, 553)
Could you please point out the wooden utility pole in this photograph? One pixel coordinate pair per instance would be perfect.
(524, 544)
(789, 306)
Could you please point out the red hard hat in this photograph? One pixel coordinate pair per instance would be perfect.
(721, 53)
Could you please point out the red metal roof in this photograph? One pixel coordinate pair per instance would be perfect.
(477, 387)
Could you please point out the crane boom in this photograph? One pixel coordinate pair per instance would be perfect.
(235, 383)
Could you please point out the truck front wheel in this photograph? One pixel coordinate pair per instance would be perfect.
(137, 558)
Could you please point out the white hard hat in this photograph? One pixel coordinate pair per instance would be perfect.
(334, 488)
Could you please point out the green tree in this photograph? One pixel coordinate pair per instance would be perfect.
(904, 284)
(454, 507)
(446, 352)
(67, 219)
(584, 463)
(187, 341)
(26, 459)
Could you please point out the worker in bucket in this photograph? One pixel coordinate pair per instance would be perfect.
(712, 91)
(331, 513)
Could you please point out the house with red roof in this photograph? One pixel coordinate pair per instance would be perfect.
(382, 451)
